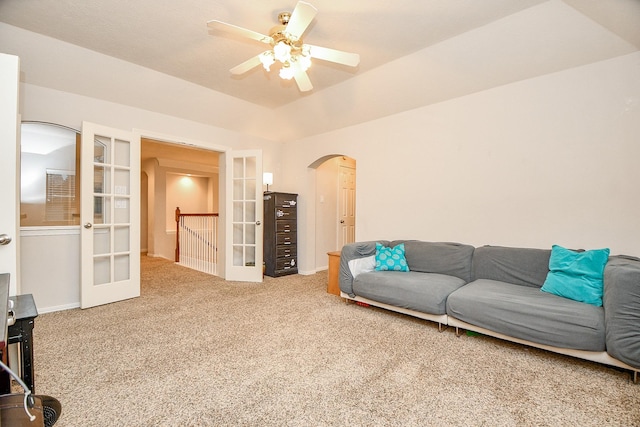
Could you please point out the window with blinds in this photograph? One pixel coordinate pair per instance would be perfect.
(49, 175)
(61, 202)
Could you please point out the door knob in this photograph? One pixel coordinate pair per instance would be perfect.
(258, 223)
(88, 225)
(342, 221)
(4, 239)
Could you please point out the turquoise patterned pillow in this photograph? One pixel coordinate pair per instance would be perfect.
(391, 259)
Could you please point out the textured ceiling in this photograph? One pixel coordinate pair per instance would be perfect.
(172, 37)
(413, 53)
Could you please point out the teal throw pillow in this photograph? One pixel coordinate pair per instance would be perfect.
(577, 275)
(391, 259)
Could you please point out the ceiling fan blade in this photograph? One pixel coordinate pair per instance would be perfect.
(246, 65)
(300, 19)
(302, 80)
(233, 29)
(338, 56)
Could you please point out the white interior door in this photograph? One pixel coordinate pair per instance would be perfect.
(244, 216)
(347, 206)
(109, 215)
(9, 169)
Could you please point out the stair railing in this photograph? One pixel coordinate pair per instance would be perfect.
(196, 241)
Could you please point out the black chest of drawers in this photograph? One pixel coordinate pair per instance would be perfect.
(280, 234)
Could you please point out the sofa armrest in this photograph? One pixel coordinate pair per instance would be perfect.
(621, 303)
(354, 251)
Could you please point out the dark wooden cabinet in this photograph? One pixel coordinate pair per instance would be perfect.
(280, 234)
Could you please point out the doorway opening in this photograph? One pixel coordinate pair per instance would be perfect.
(335, 204)
(179, 183)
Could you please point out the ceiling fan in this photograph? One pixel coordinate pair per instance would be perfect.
(287, 47)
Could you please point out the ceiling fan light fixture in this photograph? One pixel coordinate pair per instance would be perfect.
(287, 71)
(291, 57)
(282, 51)
(267, 59)
(304, 60)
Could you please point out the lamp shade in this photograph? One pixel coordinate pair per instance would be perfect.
(267, 178)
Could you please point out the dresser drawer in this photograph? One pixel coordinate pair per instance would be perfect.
(286, 213)
(285, 239)
(284, 200)
(285, 226)
(283, 252)
(286, 264)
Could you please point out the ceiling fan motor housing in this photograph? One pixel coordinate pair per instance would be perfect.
(278, 34)
(283, 17)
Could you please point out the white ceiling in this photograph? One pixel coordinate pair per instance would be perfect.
(413, 52)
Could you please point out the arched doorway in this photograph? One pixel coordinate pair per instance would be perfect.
(335, 192)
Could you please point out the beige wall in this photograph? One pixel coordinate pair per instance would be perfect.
(189, 193)
(547, 160)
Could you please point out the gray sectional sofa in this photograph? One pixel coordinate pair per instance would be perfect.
(496, 291)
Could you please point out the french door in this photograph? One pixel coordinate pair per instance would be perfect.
(9, 169)
(109, 216)
(244, 216)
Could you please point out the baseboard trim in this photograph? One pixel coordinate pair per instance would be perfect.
(43, 310)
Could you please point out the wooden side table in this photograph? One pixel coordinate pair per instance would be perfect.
(333, 287)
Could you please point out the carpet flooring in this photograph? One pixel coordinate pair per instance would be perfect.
(194, 350)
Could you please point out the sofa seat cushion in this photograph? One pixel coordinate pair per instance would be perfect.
(526, 313)
(423, 292)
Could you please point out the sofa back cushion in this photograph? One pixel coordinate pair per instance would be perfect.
(519, 266)
(452, 259)
(621, 302)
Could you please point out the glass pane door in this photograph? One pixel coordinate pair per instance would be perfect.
(245, 260)
(110, 249)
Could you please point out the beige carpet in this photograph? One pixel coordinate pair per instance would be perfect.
(194, 350)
